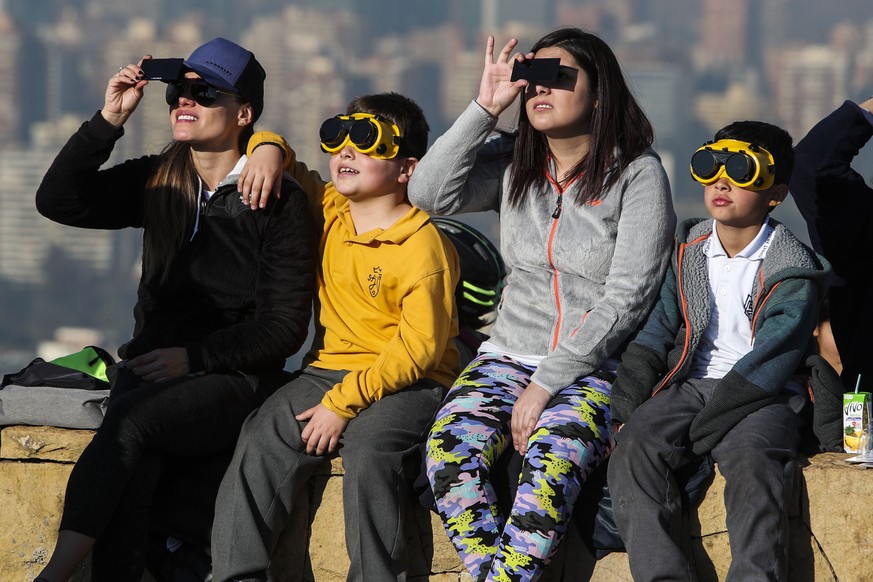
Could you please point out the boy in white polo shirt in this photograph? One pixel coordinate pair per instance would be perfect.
(710, 373)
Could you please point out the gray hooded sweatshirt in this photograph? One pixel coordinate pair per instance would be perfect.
(582, 277)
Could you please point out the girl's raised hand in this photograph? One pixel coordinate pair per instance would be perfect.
(496, 91)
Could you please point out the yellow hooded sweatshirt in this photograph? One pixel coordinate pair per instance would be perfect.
(386, 299)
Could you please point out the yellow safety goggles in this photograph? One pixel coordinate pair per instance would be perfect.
(369, 134)
(747, 165)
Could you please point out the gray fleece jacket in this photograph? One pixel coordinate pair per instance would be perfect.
(786, 294)
(581, 277)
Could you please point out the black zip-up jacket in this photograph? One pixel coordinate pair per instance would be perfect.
(239, 293)
(837, 204)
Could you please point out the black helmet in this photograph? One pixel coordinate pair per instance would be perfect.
(482, 272)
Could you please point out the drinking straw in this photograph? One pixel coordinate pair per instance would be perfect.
(858, 383)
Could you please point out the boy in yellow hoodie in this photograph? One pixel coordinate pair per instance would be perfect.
(381, 359)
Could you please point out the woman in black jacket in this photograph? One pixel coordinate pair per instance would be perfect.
(224, 298)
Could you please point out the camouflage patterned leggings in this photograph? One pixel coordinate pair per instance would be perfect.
(469, 434)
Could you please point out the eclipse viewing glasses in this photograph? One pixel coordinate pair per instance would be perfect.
(536, 70)
(369, 134)
(747, 165)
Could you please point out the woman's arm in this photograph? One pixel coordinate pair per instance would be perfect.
(74, 190)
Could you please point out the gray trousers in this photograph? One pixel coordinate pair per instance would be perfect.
(270, 467)
(755, 458)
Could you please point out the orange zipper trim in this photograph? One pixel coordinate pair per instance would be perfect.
(556, 215)
(760, 308)
(681, 292)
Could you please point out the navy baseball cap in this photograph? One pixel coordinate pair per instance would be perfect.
(230, 67)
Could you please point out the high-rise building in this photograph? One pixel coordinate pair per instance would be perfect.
(809, 83)
(663, 91)
(26, 238)
(312, 57)
(724, 35)
(10, 89)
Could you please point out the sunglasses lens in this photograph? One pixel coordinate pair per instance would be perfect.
(174, 91)
(332, 132)
(364, 133)
(204, 94)
(739, 168)
(704, 164)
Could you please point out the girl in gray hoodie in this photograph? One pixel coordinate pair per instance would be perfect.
(586, 222)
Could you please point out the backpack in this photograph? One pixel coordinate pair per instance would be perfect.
(69, 392)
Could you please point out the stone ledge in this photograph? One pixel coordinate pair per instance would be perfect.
(43, 443)
(831, 517)
(820, 548)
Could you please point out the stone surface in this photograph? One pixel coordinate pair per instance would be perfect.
(840, 494)
(43, 443)
(31, 499)
(612, 568)
(831, 533)
(837, 503)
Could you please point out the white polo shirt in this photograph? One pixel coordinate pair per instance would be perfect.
(728, 336)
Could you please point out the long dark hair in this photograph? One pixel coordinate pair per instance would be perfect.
(171, 205)
(620, 130)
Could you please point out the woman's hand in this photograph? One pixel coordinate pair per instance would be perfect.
(323, 431)
(526, 413)
(160, 365)
(123, 93)
(496, 91)
(261, 175)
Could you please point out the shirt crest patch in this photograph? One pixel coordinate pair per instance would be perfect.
(375, 281)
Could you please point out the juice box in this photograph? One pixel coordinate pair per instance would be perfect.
(856, 421)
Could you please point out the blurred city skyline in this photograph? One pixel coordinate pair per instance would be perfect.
(694, 66)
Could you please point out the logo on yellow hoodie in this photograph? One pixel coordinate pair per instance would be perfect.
(375, 280)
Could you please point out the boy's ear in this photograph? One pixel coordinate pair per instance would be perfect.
(778, 194)
(407, 169)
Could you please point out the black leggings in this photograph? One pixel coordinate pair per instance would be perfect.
(110, 489)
